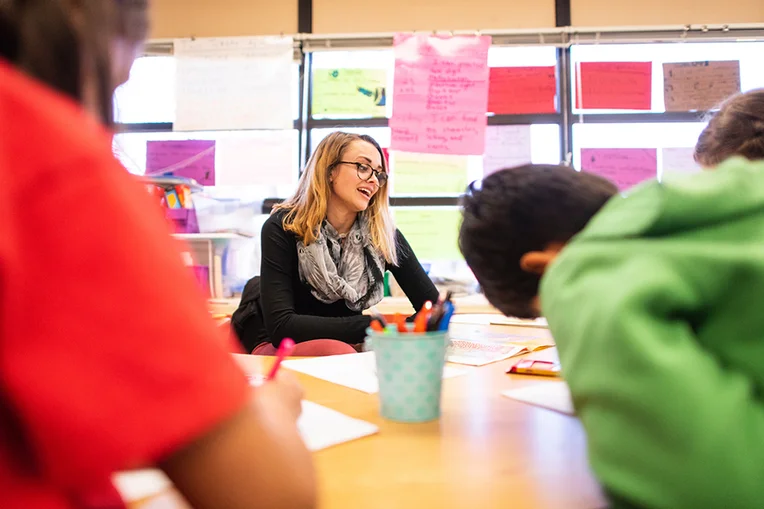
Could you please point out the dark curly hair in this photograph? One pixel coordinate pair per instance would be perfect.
(519, 210)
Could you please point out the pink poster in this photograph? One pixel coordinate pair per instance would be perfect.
(440, 94)
(182, 158)
(625, 167)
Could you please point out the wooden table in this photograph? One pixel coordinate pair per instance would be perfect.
(487, 451)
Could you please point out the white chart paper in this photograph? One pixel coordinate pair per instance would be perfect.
(233, 83)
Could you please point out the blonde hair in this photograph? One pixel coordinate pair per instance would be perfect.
(307, 208)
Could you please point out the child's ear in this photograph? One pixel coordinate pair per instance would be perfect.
(536, 262)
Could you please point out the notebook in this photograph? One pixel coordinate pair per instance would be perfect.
(480, 353)
(319, 426)
(357, 371)
(478, 347)
(551, 395)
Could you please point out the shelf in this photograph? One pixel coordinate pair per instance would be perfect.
(172, 182)
(211, 236)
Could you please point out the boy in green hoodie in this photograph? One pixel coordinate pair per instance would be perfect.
(655, 310)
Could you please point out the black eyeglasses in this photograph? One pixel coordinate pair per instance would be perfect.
(365, 172)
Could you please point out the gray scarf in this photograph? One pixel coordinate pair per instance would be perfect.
(353, 271)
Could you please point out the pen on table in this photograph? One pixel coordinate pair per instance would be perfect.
(420, 320)
(285, 350)
(534, 367)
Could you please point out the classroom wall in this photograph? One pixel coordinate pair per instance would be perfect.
(219, 18)
(352, 16)
(665, 12)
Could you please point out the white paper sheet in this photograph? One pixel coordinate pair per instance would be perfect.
(233, 83)
(678, 160)
(260, 159)
(319, 426)
(357, 371)
(323, 427)
(494, 319)
(506, 146)
(551, 395)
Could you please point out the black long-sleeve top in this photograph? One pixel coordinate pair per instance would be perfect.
(291, 311)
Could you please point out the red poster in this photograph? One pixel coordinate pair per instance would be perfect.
(614, 85)
(522, 90)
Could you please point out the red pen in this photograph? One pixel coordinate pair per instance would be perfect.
(285, 350)
(420, 321)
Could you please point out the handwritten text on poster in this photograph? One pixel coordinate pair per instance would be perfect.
(440, 94)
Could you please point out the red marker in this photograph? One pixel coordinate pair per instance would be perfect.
(285, 350)
(420, 321)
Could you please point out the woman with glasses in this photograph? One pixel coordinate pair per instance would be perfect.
(326, 249)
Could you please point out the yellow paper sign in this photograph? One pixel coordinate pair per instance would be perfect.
(349, 92)
(428, 174)
(433, 232)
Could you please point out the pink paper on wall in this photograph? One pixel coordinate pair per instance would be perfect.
(440, 94)
(625, 167)
(182, 158)
(614, 85)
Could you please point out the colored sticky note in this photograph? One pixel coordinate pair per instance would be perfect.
(428, 174)
(182, 158)
(506, 146)
(349, 92)
(693, 86)
(440, 94)
(521, 90)
(433, 232)
(614, 85)
(678, 160)
(624, 167)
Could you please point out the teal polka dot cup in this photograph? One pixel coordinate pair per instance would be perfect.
(410, 373)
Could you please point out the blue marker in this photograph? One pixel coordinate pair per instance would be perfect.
(447, 314)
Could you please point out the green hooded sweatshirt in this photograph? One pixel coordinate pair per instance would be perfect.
(657, 308)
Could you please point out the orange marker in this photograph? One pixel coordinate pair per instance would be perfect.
(420, 321)
(376, 325)
(401, 323)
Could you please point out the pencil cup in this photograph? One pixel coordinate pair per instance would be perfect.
(410, 373)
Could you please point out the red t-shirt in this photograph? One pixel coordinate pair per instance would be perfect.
(108, 357)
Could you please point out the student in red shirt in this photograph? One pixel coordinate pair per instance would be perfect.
(108, 358)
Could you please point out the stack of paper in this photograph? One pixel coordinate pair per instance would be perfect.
(357, 371)
(551, 395)
(319, 426)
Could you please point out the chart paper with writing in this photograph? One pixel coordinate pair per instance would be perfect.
(699, 86)
(440, 94)
(614, 85)
(233, 83)
(625, 167)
